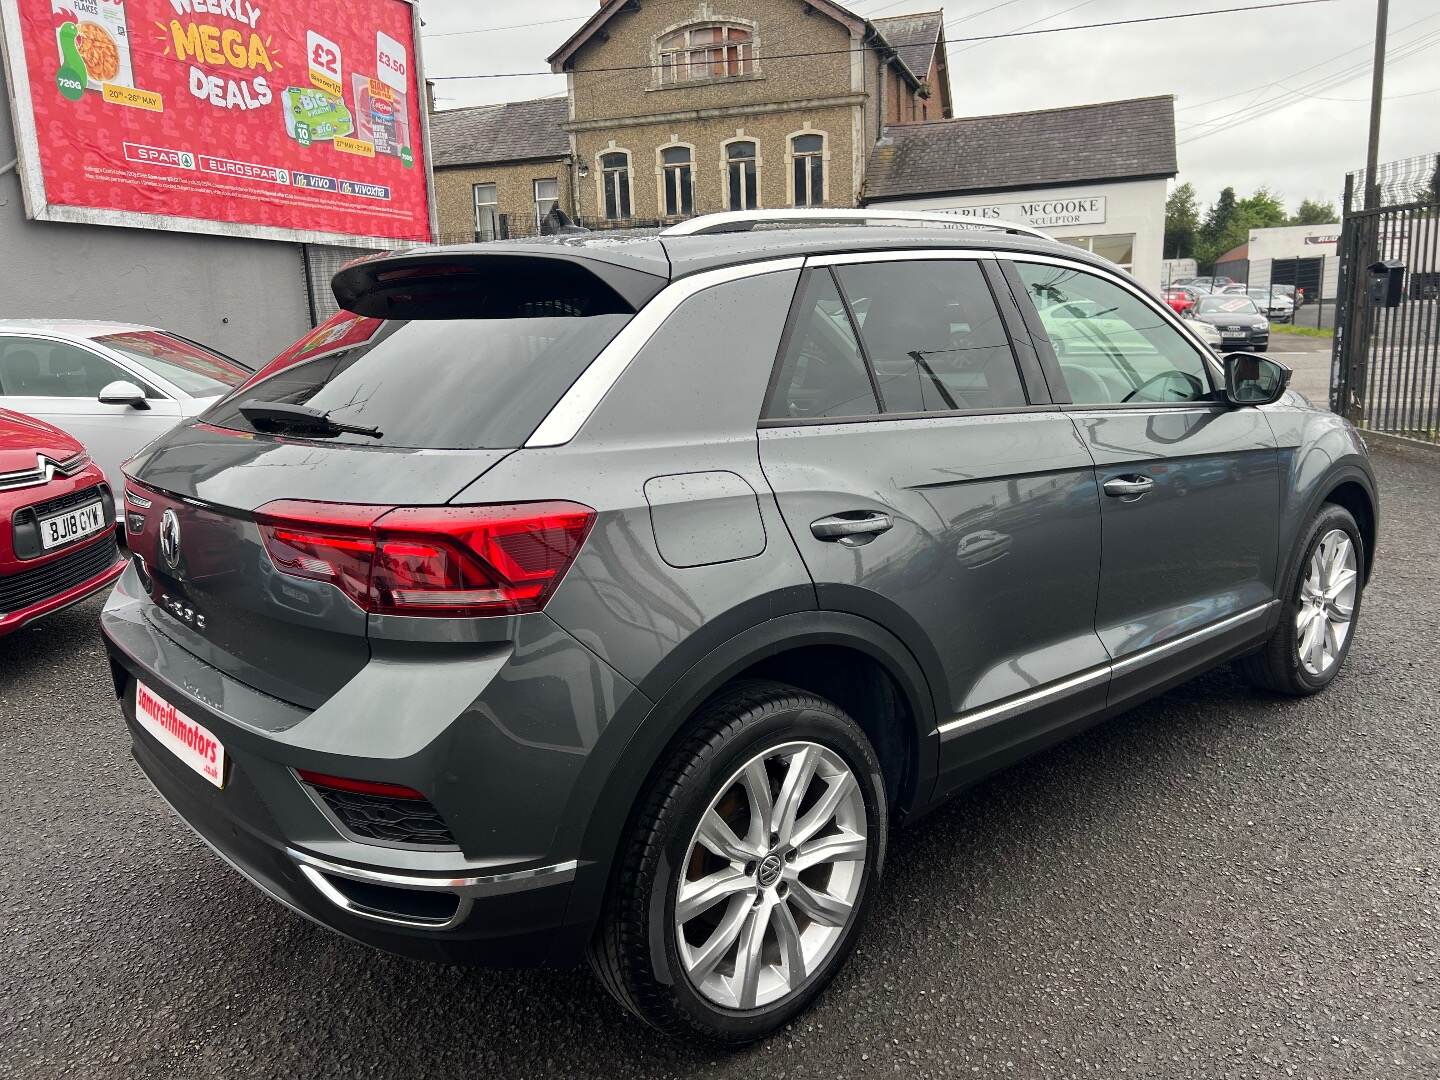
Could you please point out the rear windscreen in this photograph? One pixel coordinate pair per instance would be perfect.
(436, 384)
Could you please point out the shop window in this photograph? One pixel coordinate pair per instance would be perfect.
(615, 184)
(1119, 249)
(808, 153)
(702, 53)
(741, 162)
(678, 181)
(487, 212)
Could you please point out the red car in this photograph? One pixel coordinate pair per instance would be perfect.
(57, 522)
(1180, 300)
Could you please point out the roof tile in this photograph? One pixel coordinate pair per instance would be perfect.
(512, 131)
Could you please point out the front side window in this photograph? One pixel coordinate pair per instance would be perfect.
(487, 210)
(615, 185)
(741, 162)
(809, 179)
(547, 198)
(933, 335)
(1113, 348)
(706, 52)
(678, 181)
(34, 367)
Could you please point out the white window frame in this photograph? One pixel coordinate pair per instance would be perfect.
(535, 191)
(687, 72)
(759, 160)
(825, 171)
(662, 181)
(493, 207)
(600, 182)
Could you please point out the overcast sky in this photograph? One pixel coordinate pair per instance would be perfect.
(1300, 146)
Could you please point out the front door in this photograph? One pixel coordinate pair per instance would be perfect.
(1190, 485)
(60, 383)
(932, 488)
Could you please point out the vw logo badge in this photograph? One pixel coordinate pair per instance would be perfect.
(769, 870)
(170, 539)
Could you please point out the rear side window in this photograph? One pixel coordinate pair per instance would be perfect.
(934, 336)
(446, 383)
(822, 372)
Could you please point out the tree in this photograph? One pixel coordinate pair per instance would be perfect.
(1315, 213)
(1431, 192)
(1223, 229)
(1261, 210)
(1182, 222)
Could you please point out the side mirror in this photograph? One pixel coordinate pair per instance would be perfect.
(121, 392)
(1254, 380)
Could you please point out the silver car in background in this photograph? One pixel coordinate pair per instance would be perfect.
(114, 386)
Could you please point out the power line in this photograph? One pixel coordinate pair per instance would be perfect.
(958, 41)
(1032, 22)
(515, 26)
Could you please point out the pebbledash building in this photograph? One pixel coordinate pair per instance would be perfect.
(684, 107)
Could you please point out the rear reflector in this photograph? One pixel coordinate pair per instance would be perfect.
(359, 787)
(442, 561)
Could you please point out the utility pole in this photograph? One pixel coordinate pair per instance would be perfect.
(1377, 94)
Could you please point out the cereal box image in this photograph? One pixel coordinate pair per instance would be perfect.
(94, 45)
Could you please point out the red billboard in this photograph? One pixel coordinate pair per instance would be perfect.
(287, 119)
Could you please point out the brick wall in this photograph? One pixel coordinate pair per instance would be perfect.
(454, 195)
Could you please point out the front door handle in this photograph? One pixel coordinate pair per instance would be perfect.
(852, 529)
(1129, 488)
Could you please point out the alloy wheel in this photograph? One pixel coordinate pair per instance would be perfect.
(1327, 603)
(772, 876)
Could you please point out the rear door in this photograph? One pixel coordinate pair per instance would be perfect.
(933, 488)
(1190, 485)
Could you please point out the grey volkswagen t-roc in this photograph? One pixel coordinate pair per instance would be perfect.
(613, 596)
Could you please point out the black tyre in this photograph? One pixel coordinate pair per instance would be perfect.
(747, 872)
(1321, 611)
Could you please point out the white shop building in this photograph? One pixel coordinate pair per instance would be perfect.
(1091, 175)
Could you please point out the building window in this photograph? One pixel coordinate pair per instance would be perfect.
(808, 152)
(547, 198)
(1119, 249)
(742, 175)
(487, 212)
(615, 185)
(706, 52)
(677, 182)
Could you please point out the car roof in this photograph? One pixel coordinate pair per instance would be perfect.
(74, 329)
(675, 256)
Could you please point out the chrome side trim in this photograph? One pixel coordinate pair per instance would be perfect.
(1014, 706)
(571, 411)
(737, 220)
(1194, 637)
(845, 258)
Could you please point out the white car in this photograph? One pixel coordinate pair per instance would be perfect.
(114, 386)
(1207, 333)
(1276, 305)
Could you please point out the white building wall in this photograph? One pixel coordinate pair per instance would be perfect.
(1295, 242)
(1130, 207)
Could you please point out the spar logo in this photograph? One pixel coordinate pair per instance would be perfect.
(169, 719)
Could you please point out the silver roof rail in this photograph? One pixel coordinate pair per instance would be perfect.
(745, 220)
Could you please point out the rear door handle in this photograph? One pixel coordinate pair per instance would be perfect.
(1129, 488)
(853, 529)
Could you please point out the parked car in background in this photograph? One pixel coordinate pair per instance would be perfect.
(57, 540)
(113, 386)
(1206, 332)
(1180, 299)
(1241, 324)
(1276, 305)
(567, 601)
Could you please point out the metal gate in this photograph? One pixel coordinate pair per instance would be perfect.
(1385, 374)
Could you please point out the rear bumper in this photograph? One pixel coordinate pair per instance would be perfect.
(13, 620)
(485, 900)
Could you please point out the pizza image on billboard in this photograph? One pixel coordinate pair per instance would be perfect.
(283, 119)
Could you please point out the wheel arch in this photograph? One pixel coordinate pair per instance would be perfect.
(760, 651)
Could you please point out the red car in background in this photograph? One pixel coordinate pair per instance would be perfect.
(57, 522)
(1180, 300)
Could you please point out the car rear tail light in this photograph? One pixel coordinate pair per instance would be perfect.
(443, 561)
